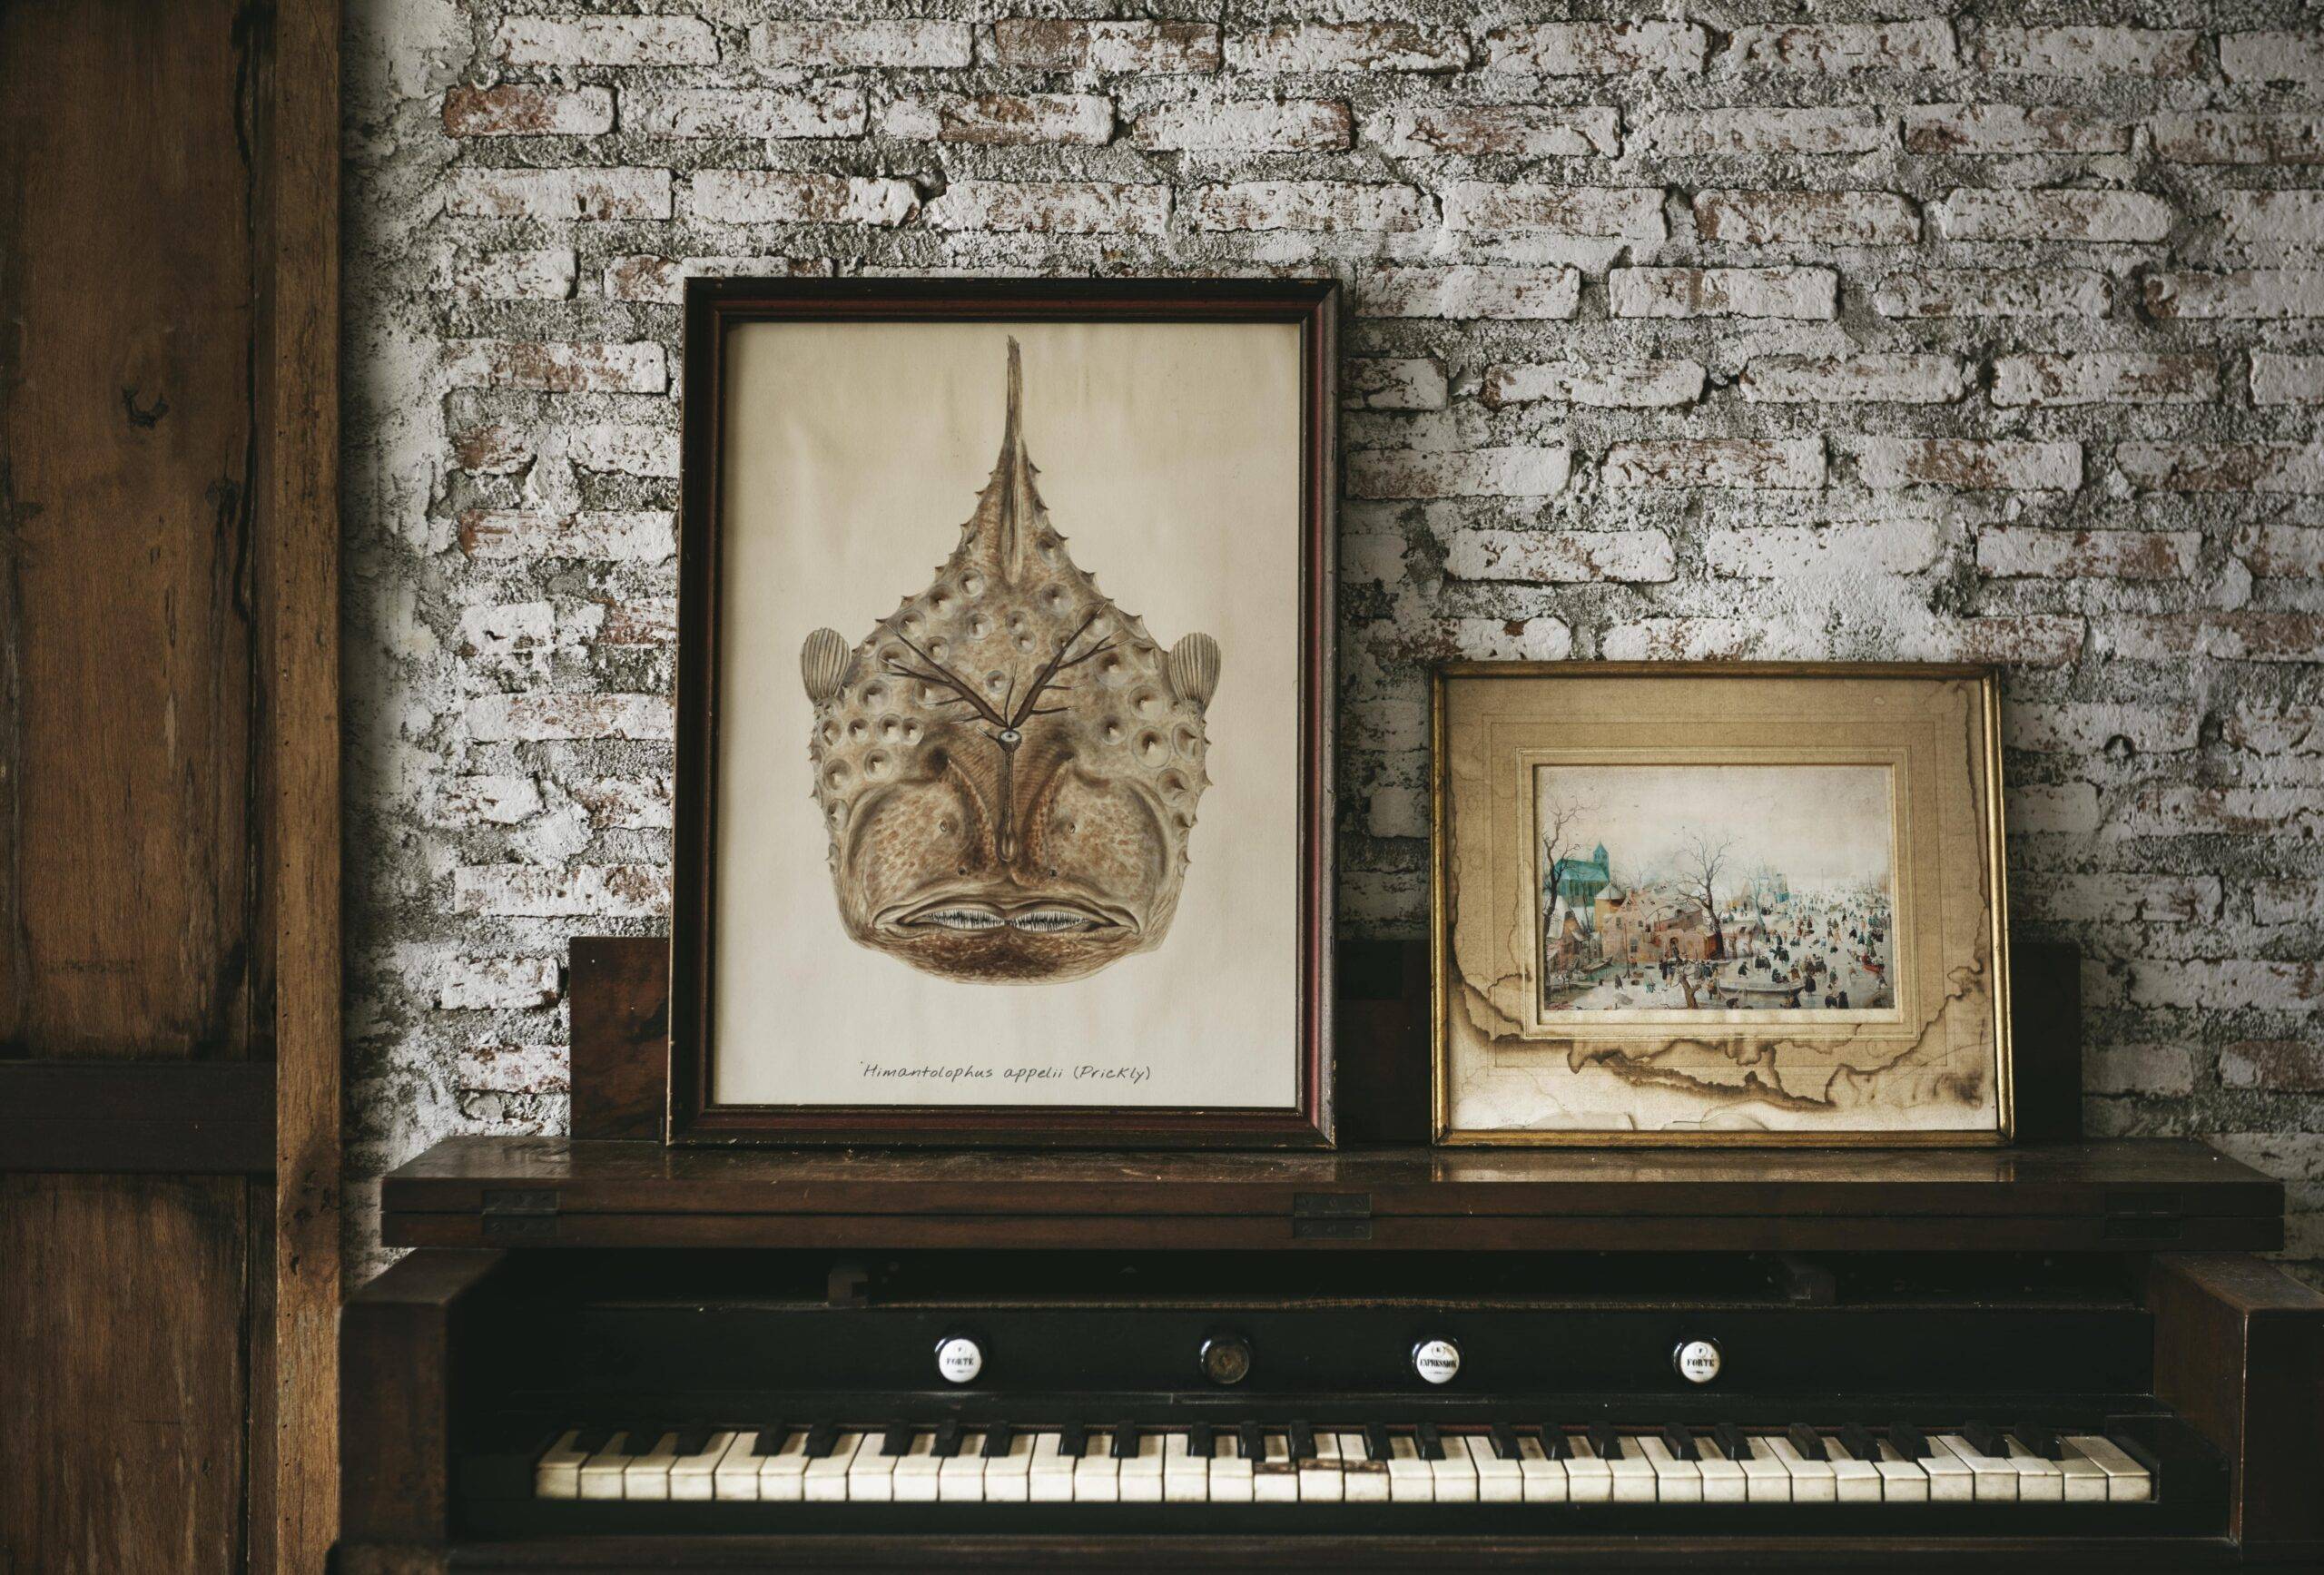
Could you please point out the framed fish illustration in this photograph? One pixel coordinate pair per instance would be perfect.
(1005, 712)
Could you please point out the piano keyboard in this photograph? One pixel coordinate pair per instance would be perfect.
(1298, 1464)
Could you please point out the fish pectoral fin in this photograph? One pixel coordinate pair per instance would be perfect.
(1194, 668)
(823, 662)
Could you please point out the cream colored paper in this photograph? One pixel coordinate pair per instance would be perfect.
(1170, 460)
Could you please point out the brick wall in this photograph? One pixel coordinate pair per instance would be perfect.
(1989, 335)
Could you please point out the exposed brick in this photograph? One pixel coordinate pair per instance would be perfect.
(1059, 207)
(1788, 292)
(1559, 556)
(2251, 293)
(2226, 984)
(1512, 640)
(1613, 384)
(2273, 56)
(1462, 294)
(2298, 901)
(2080, 727)
(1385, 383)
(1327, 47)
(2279, 379)
(499, 984)
(1511, 472)
(1844, 129)
(923, 46)
(623, 448)
(2222, 467)
(640, 277)
(2278, 551)
(2275, 727)
(772, 197)
(642, 367)
(1994, 293)
(2127, 896)
(1002, 120)
(494, 448)
(1924, 45)
(507, 639)
(1255, 125)
(2153, 1070)
(1970, 463)
(1906, 379)
(605, 41)
(546, 274)
(2275, 1066)
(2219, 138)
(1774, 552)
(573, 891)
(557, 714)
(2001, 128)
(718, 111)
(1801, 218)
(2293, 217)
(629, 803)
(2084, 52)
(558, 195)
(498, 533)
(1537, 131)
(2264, 637)
(1597, 48)
(2105, 378)
(1730, 462)
(2183, 810)
(1115, 48)
(2012, 551)
(487, 1067)
(2053, 215)
(1631, 213)
(1309, 205)
(2053, 810)
(517, 110)
(482, 798)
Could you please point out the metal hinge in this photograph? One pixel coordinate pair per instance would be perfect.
(1330, 1216)
(520, 1215)
(2144, 1214)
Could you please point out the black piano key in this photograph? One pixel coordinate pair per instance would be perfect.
(1124, 1442)
(996, 1439)
(947, 1441)
(593, 1439)
(1430, 1442)
(1680, 1443)
(1910, 1441)
(1806, 1440)
(2040, 1441)
(1985, 1440)
(1732, 1442)
(898, 1439)
(1554, 1442)
(1248, 1444)
(1375, 1442)
(1605, 1441)
(692, 1439)
(1075, 1441)
(821, 1439)
(1199, 1443)
(1504, 1441)
(1860, 1441)
(1303, 1442)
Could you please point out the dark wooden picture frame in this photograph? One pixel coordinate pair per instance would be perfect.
(715, 306)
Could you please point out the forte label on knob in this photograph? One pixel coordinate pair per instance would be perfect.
(1696, 1360)
(959, 1359)
(1225, 1358)
(1436, 1361)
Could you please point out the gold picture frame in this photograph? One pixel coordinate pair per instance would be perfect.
(1801, 942)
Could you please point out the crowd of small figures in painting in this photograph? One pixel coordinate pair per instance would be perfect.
(1652, 947)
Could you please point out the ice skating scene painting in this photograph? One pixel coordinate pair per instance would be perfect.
(1679, 889)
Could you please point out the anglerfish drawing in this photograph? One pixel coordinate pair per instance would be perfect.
(1008, 764)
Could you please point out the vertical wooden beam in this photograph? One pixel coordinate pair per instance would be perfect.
(300, 424)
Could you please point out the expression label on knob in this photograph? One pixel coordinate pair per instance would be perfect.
(1697, 1361)
(959, 1359)
(1437, 1361)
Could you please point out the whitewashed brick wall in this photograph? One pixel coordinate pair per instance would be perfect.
(1991, 333)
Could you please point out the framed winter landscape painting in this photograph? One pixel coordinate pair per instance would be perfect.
(1004, 713)
(1736, 904)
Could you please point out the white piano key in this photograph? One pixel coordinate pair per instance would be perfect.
(736, 1475)
(1275, 1479)
(601, 1473)
(646, 1477)
(1633, 1475)
(1050, 1473)
(1455, 1477)
(1950, 1480)
(916, 1469)
(1543, 1478)
(1765, 1479)
(1097, 1475)
(824, 1480)
(2127, 1481)
(1499, 1481)
(1723, 1479)
(1008, 1478)
(1230, 1472)
(1410, 1479)
(690, 1475)
(1588, 1479)
(1902, 1481)
(2039, 1480)
(1320, 1478)
(1854, 1481)
(782, 1473)
(1994, 1478)
(1186, 1475)
(2084, 1479)
(1812, 1482)
(960, 1479)
(872, 1475)
(1676, 1481)
(1141, 1474)
(1362, 1480)
(557, 1473)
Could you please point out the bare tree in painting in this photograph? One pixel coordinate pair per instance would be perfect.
(1698, 871)
(1556, 822)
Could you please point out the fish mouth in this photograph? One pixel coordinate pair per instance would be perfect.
(1038, 914)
